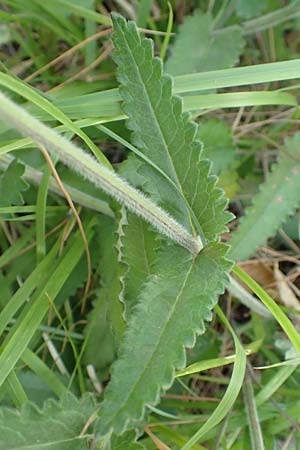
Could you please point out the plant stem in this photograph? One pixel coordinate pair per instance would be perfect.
(102, 177)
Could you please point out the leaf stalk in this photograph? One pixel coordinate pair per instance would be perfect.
(102, 177)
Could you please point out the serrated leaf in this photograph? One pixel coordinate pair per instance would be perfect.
(171, 311)
(165, 135)
(276, 200)
(182, 289)
(12, 185)
(130, 170)
(105, 324)
(198, 49)
(57, 426)
(127, 441)
(100, 348)
(138, 254)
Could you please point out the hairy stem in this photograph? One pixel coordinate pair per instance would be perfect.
(78, 160)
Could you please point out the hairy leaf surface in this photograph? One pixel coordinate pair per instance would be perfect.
(57, 426)
(126, 441)
(105, 325)
(165, 135)
(181, 289)
(198, 49)
(101, 346)
(278, 197)
(137, 250)
(172, 308)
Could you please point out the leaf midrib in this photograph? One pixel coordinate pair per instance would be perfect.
(158, 340)
(156, 123)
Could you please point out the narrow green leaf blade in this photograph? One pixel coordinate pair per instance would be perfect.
(41, 369)
(36, 98)
(232, 391)
(172, 308)
(273, 307)
(237, 100)
(256, 435)
(32, 315)
(81, 11)
(238, 76)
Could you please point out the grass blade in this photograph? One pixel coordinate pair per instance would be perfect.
(99, 175)
(32, 315)
(33, 96)
(237, 100)
(232, 391)
(239, 76)
(256, 436)
(279, 315)
(43, 372)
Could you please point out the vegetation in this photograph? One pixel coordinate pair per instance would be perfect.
(149, 195)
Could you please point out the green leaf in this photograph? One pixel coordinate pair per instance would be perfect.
(44, 374)
(58, 426)
(218, 144)
(255, 431)
(278, 197)
(100, 348)
(283, 320)
(166, 136)
(38, 276)
(198, 48)
(80, 11)
(143, 12)
(218, 147)
(12, 185)
(98, 174)
(232, 392)
(138, 255)
(5, 35)
(105, 322)
(254, 8)
(77, 278)
(237, 100)
(127, 441)
(79, 190)
(33, 96)
(108, 101)
(34, 311)
(172, 308)
(182, 289)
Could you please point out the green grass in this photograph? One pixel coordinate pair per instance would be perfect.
(111, 360)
